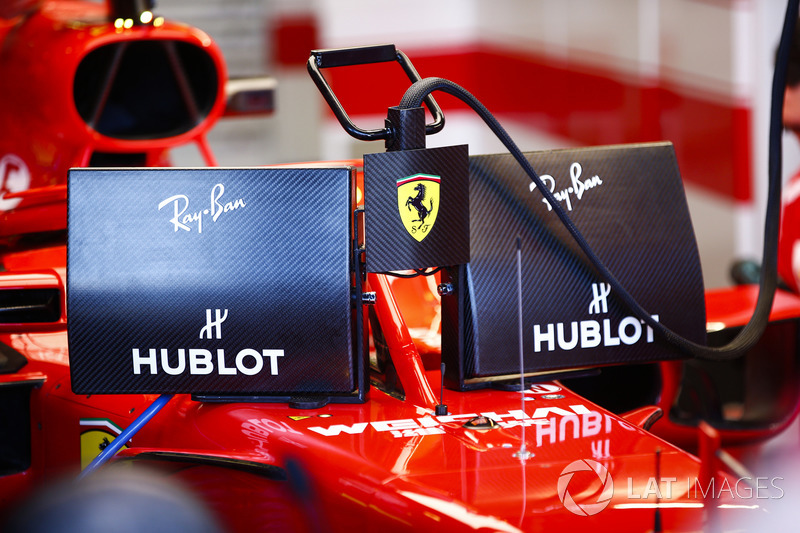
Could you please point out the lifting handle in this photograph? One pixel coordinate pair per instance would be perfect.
(362, 55)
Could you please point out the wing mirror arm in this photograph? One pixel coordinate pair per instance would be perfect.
(250, 96)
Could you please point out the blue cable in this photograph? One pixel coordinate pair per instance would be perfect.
(126, 435)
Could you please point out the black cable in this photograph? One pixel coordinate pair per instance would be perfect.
(750, 334)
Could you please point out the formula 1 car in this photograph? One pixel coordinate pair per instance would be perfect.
(263, 338)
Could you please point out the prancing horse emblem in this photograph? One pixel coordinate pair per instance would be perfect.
(418, 203)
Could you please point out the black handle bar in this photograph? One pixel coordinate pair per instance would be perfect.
(362, 55)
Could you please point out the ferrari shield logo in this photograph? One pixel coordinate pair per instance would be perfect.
(418, 203)
(95, 440)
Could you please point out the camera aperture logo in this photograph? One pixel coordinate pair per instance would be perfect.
(593, 505)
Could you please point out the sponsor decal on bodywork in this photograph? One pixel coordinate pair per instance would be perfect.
(587, 421)
(592, 333)
(14, 177)
(576, 188)
(201, 361)
(186, 220)
(418, 203)
(96, 435)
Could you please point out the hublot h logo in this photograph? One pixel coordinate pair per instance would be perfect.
(213, 325)
(599, 304)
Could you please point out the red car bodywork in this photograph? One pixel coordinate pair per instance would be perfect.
(385, 465)
(388, 463)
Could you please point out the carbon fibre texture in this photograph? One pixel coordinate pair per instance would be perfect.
(154, 253)
(629, 203)
(389, 245)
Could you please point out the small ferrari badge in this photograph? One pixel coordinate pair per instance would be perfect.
(418, 203)
(429, 190)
